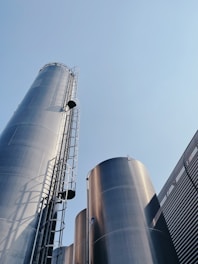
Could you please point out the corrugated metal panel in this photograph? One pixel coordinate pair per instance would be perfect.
(180, 207)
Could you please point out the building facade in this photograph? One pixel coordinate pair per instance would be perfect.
(37, 168)
(179, 201)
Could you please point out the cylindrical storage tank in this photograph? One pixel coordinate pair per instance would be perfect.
(28, 147)
(80, 242)
(122, 207)
(63, 255)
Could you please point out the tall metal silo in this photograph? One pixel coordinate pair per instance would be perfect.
(125, 220)
(81, 239)
(63, 255)
(38, 152)
(77, 252)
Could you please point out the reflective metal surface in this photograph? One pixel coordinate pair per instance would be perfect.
(125, 221)
(63, 255)
(80, 242)
(28, 146)
(179, 200)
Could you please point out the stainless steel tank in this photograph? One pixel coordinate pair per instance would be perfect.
(63, 255)
(28, 148)
(80, 242)
(125, 221)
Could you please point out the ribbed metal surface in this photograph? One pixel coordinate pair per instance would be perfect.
(80, 242)
(179, 199)
(63, 255)
(125, 222)
(28, 146)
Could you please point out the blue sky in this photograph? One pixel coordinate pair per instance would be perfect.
(138, 81)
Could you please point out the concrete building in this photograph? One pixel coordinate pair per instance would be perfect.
(179, 201)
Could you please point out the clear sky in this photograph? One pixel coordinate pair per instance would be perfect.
(138, 76)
